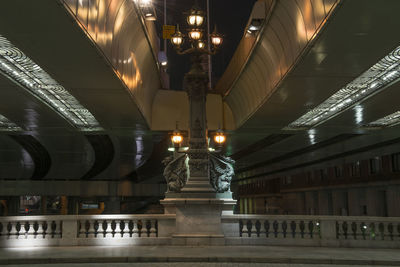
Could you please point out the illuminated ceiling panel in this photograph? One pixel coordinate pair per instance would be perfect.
(22, 70)
(387, 121)
(375, 79)
(7, 125)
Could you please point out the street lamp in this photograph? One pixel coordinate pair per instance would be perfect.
(177, 38)
(196, 17)
(208, 172)
(197, 46)
(219, 138)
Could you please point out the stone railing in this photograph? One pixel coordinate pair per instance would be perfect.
(302, 230)
(147, 229)
(67, 230)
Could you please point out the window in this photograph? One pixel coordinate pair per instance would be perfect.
(287, 180)
(374, 165)
(339, 171)
(355, 169)
(396, 162)
(323, 174)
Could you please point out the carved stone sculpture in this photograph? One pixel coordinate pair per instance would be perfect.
(176, 172)
(221, 172)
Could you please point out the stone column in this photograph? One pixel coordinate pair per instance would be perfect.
(195, 83)
(197, 205)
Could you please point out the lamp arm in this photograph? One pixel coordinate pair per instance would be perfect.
(192, 50)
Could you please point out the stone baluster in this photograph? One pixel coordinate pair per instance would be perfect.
(91, 230)
(293, 229)
(117, 230)
(306, 229)
(13, 234)
(386, 234)
(124, 225)
(50, 230)
(82, 229)
(108, 229)
(352, 232)
(253, 228)
(262, 228)
(363, 230)
(31, 230)
(40, 232)
(279, 229)
(267, 227)
(245, 229)
(372, 231)
(144, 231)
(153, 230)
(135, 229)
(343, 229)
(23, 231)
(381, 231)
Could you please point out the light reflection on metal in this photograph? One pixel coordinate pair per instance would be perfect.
(375, 79)
(22, 70)
(7, 125)
(387, 121)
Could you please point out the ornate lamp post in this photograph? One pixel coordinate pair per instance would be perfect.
(196, 85)
(198, 181)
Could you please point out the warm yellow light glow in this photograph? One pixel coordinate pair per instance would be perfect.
(219, 138)
(177, 40)
(177, 138)
(216, 40)
(195, 20)
(195, 34)
(201, 44)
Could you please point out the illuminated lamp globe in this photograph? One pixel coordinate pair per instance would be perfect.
(177, 38)
(195, 34)
(219, 138)
(176, 138)
(195, 17)
(216, 38)
(201, 44)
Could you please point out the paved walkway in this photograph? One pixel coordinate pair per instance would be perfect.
(226, 256)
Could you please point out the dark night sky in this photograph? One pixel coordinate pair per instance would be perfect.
(230, 16)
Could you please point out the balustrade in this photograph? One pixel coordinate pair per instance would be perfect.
(312, 230)
(281, 228)
(118, 228)
(356, 228)
(30, 229)
(294, 230)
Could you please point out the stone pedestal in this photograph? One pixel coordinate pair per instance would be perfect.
(198, 217)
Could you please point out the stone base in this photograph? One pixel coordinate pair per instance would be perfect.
(198, 220)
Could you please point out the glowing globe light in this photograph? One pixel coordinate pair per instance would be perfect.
(176, 138)
(195, 34)
(195, 17)
(220, 138)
